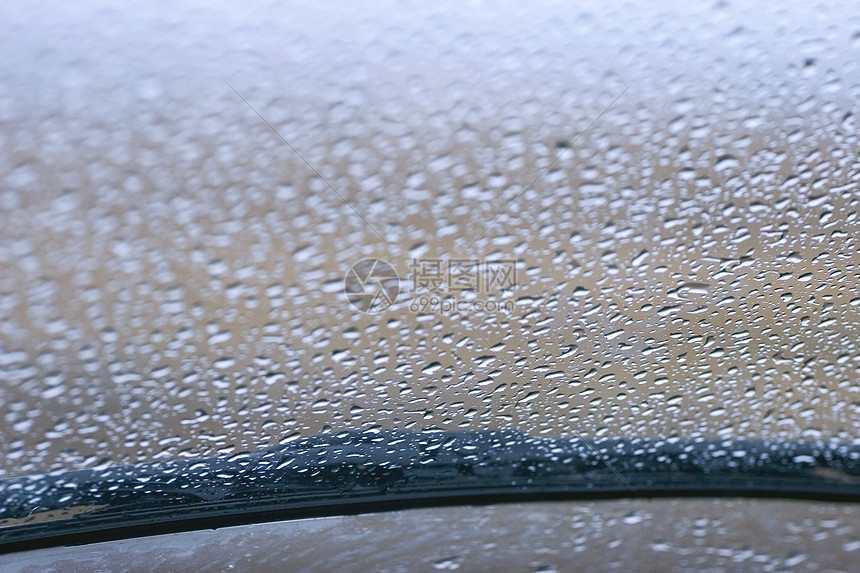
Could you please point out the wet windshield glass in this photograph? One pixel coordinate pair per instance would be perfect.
(227, 229)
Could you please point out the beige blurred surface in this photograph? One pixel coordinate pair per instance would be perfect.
(171, 272)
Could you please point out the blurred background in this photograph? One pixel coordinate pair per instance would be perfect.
(171, 272)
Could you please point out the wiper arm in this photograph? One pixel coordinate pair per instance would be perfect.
(354, 471)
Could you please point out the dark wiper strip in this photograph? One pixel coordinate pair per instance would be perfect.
(377, 471)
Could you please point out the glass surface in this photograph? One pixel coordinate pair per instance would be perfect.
(225, 227)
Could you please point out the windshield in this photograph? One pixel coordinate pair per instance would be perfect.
(543, 235)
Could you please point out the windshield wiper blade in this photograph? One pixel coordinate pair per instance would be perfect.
(375, 471)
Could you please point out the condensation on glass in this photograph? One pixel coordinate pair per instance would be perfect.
(172, 273)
